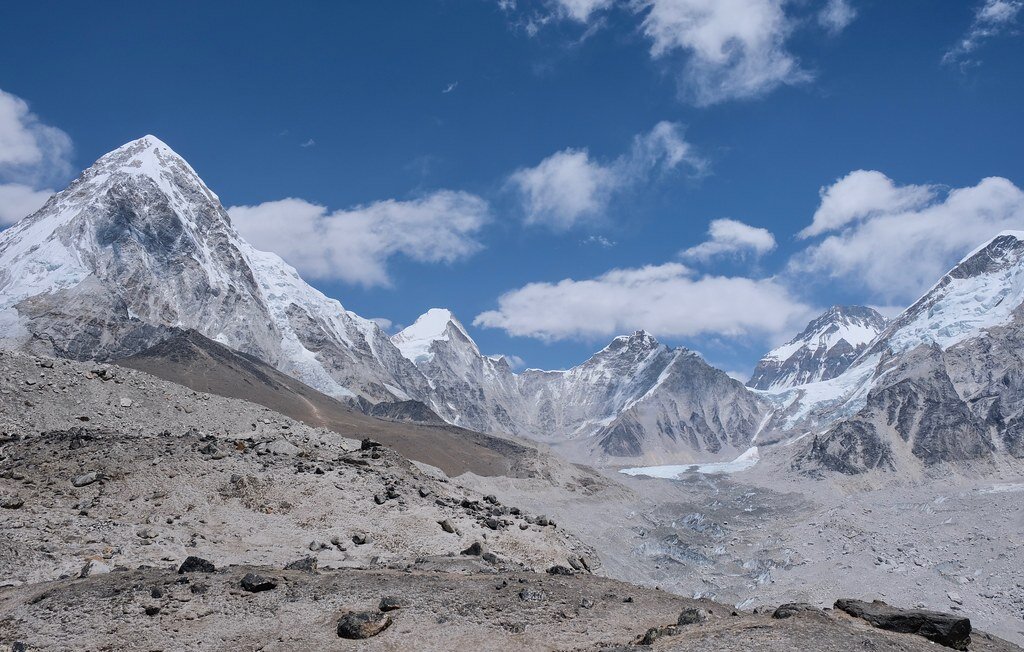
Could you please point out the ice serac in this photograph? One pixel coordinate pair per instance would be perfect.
(634, 401)
(944, 381)
(138, 245)
(825, 349)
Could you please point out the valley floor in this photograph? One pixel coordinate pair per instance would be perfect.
(110, 478)
(948, 542)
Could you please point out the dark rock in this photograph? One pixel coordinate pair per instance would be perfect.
(424, 492)
(11, 502)
(156, 593)
(447, 526)
(361, 538)
(692, 616)
(254, 583)
(152, 610)
(490, 557)
(491, 523)
(362, 624)
(587, 603)
(369, 444)
(794, 608)
(475, 549)
(558, 569)
(654, 633)
(306, 564)
(390, 603)
(945, 629)
(194, 564)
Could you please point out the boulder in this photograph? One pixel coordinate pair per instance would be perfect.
(194, 564)
(254, 583)
(793, 608)
(390, 603)
(362, 624)
(11, 502)
(85, 479)
(691, 616)
(306, 564)
(942, 628)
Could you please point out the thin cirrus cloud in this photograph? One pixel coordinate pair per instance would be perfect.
(669, 300)
(33, 155)
(723, 49)
(728, 237)
(991, 19)
(356, 244)
(894, 244)
(571, 187)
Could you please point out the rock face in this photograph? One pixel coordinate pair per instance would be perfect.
(944, 382)
(825, 349)
(635, 400)
(945, 629)
(138, 244)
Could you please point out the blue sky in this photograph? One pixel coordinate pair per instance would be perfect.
(547, 168)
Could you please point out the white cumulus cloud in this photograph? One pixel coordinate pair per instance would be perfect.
(862, 194)
(896, 251)
(18, 200)
(668, 300)
(354, 245)
(33, 155)
(729, 237)
(570, 187)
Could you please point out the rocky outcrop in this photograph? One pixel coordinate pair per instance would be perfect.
(945, 629)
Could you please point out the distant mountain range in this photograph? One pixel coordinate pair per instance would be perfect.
(137, 250)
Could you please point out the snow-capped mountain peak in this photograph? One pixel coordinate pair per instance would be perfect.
(435, 325)
(982, 291)
(138, 245)
(823, 350)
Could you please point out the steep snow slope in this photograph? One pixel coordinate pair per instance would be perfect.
(825, 349)
(138, 244)
(944, 382)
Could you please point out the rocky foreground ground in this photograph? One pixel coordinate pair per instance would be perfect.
(137, 514)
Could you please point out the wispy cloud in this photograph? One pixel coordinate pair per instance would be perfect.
(991, 19)
(570, 187)
(450, 87)
(308, 143)
(722, 49)
(836, 15)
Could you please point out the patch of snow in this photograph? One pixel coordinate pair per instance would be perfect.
(747, 460)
